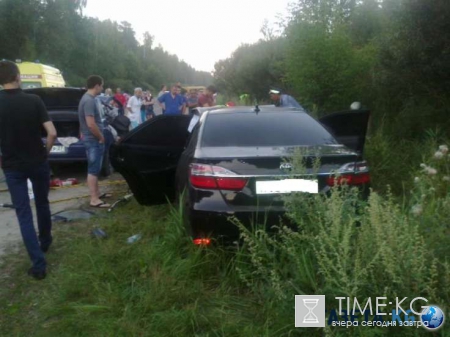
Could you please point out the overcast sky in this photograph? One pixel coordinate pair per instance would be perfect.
(200, 32)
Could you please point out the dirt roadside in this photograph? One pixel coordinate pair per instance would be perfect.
(60, 199)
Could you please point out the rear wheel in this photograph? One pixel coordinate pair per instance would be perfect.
(106, 165)
(183, 200)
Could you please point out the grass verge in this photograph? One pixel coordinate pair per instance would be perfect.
(158, 286)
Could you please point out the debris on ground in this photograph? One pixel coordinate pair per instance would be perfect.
(126, 198)
(56, 182)
(134, 238)
(72, 215)
(99, 233)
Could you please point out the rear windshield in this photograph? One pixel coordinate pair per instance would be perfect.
(263, 129)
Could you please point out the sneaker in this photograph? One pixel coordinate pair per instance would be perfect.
(38, 275)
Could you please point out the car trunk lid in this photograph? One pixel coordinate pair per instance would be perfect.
(263, 168)
(59, 98)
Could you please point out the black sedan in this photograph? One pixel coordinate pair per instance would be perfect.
(232, 162)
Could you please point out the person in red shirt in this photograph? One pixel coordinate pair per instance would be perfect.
(119, 97)
(207, 99)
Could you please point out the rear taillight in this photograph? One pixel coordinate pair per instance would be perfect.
(215, 177)
(203, 182)
(232, 184)
(351, 174)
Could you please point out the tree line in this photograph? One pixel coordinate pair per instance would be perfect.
(391, 55)
(56, 32)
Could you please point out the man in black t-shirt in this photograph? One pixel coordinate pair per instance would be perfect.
(24, 156)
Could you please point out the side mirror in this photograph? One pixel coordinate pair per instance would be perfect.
(355, 106)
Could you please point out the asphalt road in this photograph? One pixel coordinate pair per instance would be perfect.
(10, 238)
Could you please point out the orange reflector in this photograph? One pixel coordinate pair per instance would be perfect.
(202, 242)
(349, 179)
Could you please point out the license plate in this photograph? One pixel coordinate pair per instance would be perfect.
(287, 186)
(58, 149)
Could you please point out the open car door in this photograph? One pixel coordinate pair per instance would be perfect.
(148, 156)
(348, 127)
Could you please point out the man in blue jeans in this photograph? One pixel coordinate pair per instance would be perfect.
(91, 128)
(24, 156)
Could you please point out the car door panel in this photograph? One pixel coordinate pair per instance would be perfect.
(348, 127)
(148, 157)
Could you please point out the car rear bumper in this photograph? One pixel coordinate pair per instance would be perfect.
(65, 159)
(75, 153)
(210, 216)
(226, 226)
(71, 156)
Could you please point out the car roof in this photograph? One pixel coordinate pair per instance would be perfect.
(253, 109)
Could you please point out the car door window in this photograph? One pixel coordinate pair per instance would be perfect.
(148, 157)
(163, 131)
(191, 142)
(348, 127)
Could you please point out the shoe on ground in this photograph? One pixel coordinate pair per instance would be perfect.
(38, 275)
(45, 249)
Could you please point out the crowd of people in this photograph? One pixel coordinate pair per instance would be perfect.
(25, 157)
(142, 105)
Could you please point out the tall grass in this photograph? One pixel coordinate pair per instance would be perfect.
(159, 286)
(344, 246)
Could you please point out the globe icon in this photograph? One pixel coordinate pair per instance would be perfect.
(432, 317)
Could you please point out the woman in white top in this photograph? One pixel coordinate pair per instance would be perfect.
(134, 108)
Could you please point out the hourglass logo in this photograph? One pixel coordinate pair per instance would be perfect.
(309, 311)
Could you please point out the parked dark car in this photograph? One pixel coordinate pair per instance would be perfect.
(62, 106)
(233, 162)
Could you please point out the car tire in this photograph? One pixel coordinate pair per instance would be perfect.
(183, 200)
(106, 165)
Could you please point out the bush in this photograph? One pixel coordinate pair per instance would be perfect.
(392, 159)
(430, 201)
